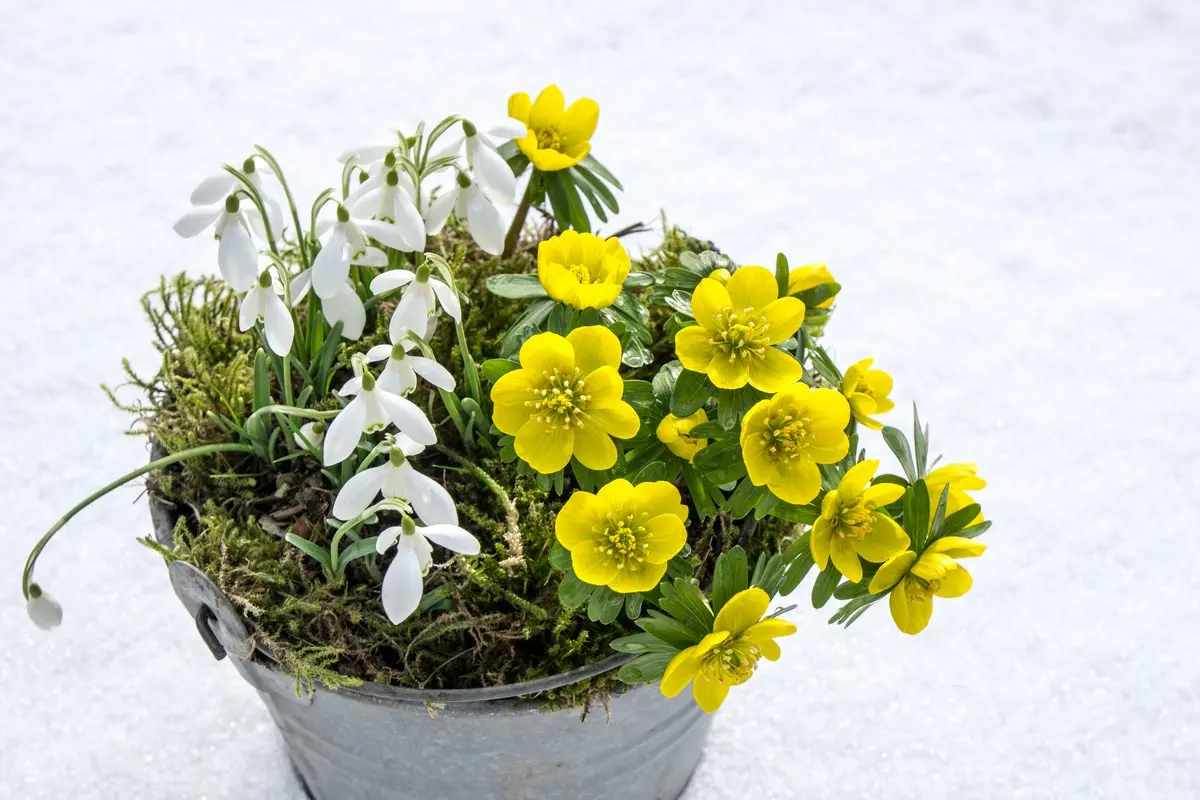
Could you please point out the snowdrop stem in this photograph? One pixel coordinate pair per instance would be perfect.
(386, 504)
(266, 156)
(174, 458)
(514, 230)
(512, 534)
(250, 191)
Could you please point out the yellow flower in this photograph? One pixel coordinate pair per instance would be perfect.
(729, 655)
(811, 276)
(566, 400)
(850, 527)
(914, 581)
(961, 478)
(557, 138)
(582, 270)
(867, 390)
(623, 536)
(784, 438)
(673, 432)
(737, 324)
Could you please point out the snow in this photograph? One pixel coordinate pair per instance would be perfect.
(1007, 191)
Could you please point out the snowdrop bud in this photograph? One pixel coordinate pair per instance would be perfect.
(411, 142)
(398, 352)
(423, 273)
(468, 127)
(397, 456)
(264, 280)
(248, 166)
(464, 181)
(392, 178)
(408, 526)
(389, 160)
(43, 609)
(368, 381)
(232, 204)
(343, 215)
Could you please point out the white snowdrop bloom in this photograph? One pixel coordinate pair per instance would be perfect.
(399, 375)
(371, 156)
(482, 156)
(372, 410)
(236, 254)
(262, 303)
(404, 581)
(347, 239)
(215, 187)
(392, 201)
(419, 302)
(345, 306)
(45, 611)
(311, 435)
(471, 202)
(396, 478)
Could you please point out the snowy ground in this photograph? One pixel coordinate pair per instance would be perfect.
(1007, 192)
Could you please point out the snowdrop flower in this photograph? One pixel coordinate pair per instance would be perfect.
(482, 157)
(263, 304)
(347, 240)
(397, 478)
(345, 306)
(472, 202)
(420, 300)
(391, 200)
(236, 254)
(371, 410)
(404, 581)
(311, 435)
(217, 186)
(371, 156)
(399, 375)
(45, 611)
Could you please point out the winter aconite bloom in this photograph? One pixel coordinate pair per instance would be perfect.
(738, 324)
(914, 581)
(566, 400)
(43, 609)
(582, 270)
(867, 390)
(673, 432)
(404, 581)
(851, 525)
(558, 137)
(372, 410)
(263, 304)
(784, 438)
(961, 478)
(729, 655)
(397, 478)
(803, 278)
(623, 536)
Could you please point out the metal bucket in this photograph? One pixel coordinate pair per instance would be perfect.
(380, 742)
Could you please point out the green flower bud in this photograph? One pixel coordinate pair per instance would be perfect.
(463, 180)
(389, 160)
(368, 381)
(423, 273)
(396, 456)
(469, 127)
(393, 178)
(232, 204)
(398, 352)
(264, 280)
(408, 526)
(248, 165)
(342, 214)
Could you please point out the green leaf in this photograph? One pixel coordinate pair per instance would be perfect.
(824, 585)
(560, 557)
(664, 381)
(684, 601)
(559, 204)
(638, 280)
(572, 592)
(939, 515)
(730, 576)
(920, 443)
(782, 275)
(816, 295)
(744, 498)
(579, 217)
(525, 326)
(633, 605)
(357, 550)
(262, 380)
(668, 629)
(916, 515)
(899, 445)
(590, 163)
(646, 668)
(604, 605)
(496, 368)
(516, 287)
(805, 515)
(639, 394)
(692, 391)
(975, 530)
(960, 519)
(585, 176)
(315, 551)
(772, 574)
(796, 570)
(639, 643)
(699, 491)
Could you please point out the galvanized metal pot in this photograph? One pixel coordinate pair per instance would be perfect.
(375, 742)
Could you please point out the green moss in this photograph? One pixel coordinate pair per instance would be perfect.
(495, 619)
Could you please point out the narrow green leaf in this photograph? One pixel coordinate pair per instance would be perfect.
(668, 629)
(560, 557)
(590, 163)
(730, 576)
(315, 551)
(898, 444)
(496, 368)
(604, 605)
(639, 643)
(920, 443)
(516, 287)
(824, 585)
(572, 592)
(262, 380)
(646, 668)
(782, 274)
(360, 549)
(692, 391)
(633, 605)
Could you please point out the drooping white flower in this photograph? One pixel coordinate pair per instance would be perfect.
(347, 239)
(471, 202)
(346, 306)
(43, 609)
(400, 373)
(217, 186)
(262, 303)
(485, 162)
(397, 478)
(370, 157)
(404, 581)
(391, 200)
(372, 410)
(236, 254)
(311, 435)
(419, 302)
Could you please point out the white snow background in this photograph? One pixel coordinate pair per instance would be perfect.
(1008, 192)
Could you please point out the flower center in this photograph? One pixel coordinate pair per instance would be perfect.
(916, 589)
(788, 437)
(732, 662)
(581, 272)
(853, 522)
(621, 541)
(740, 335)
(549, 139)
(560, 401)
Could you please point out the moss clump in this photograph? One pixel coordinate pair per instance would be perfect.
(489, 620)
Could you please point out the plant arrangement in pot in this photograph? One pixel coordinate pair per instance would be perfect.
(445, 484)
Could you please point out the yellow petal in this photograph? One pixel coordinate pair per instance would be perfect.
(725, 373)
(892, 571)
(547, 110)
(546, 448)
(845, 559)
(709, 695)
(680, 671)
(883, 494)
(932, 566)
(765, 633)
(819, 541)
(879, 382)
(884, 539)
(593, 566)
(956, 583)
(529, 146)
(518, 106)
(807, 277)
(654, 498)
(863, 407)
(603, 388)
(549, 160)
(827, 409)
(595, 346)
(958, 547)
(593, 447)
(558, 281)
(742, 610)
(509, 395)
(597, 295)
(666, 536)
(579, 122)
(694, 347)
(799, 483)
(784, 316)
(619, 420)
(752, 287)
(855, 481)
(616, 494)
(708, 300)
(545, 352)
(911, 607)
(582, 514)
(637, 577)
(667, 431)
(775, 370)
(962, 476)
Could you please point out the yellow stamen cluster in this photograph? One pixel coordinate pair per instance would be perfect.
(740, 334)
(560, 400)
(787, 437)
(623, 540)
(732, 662)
